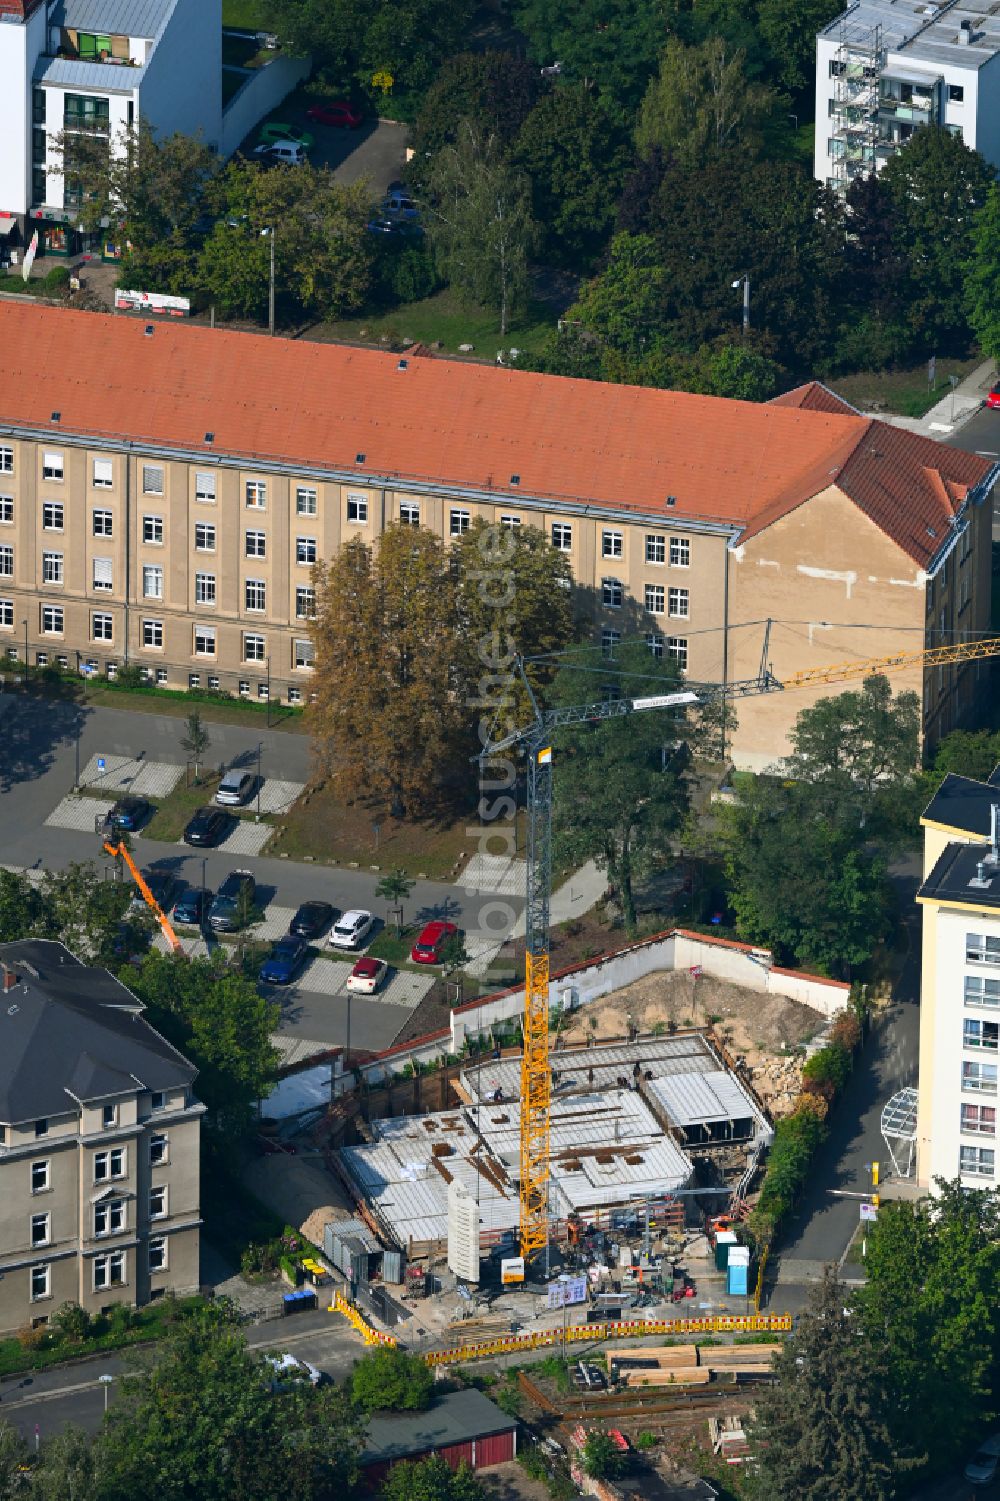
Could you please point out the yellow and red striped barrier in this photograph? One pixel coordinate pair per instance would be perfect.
(770, 1323)
(370, 1335)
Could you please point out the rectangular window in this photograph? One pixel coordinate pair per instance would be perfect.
(562, 536)
(103, 524)
(194, 680)
(305, 602)
(152, 530)
(357, 508)
(654, 598)
(109, 1217)
(204, 641)
(977, 1161)
(152, 479)
(609, 640)
(980, 1120)
(612, 544)
(6, 561)
(510, 522)
(678, 648)
(159, 1148)
(204, 536)
(6, 460)
(956, 93)
(109, 1271)
(244, 687)
(109, 1116)
(52, 620)
(305, 501)
(680, 552)
(980, 1078)
(612, 593)
(678, 603)
(214, 684)
(52, 567)
(295, 695)
(254, 648)
(7, 510)
(52, 516)
(103, 574)
(52, 466)
(204, 588)
(42, 1127)
(305, 653)
(158, 1202)
(409, 513)
(104, 476)
(980, 990)
(152, 634)
(7, 614)
(102, 627)
(109, 1164)
(40, 1283)
(157, 1247)
(305, 549)
(656, 548)
(162, 676)
(979, 1034)
(981, 948)
(152, 582)
(157, 1100)
(655, 644)
(256, 544)
(40, 1176)
(255, 594)
(204, 485)
(459, 522)
(256, 494)
(39, 1230)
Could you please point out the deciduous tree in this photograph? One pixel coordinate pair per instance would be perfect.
(982, 281)
(20, 907)
(702, 102)
(432, 1479)
(789, 29)
(83, 910)
(862, 745)
(495, 89)
(391, 1380)
(612, 44)
(195, 740)
(351, 40)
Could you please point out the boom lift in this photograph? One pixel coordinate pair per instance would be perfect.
(536, 740)
(119, 849)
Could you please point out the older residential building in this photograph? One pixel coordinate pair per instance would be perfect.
(99, 1143)
(166, 490)
(886, 67)
(960, 984)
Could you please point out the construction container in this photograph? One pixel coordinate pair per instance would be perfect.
(352, 1248)
(723, 1241)
(392, 1266)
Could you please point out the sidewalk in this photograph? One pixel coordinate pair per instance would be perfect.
(953, 410)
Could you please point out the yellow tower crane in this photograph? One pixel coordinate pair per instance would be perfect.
(535, 740)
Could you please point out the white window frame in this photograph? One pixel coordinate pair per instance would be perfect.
(255, 544)
(43, 1167)
(152, 479)
(511, 523)
(677, 649)
(105, 527)
(680, 552)
(610, 640)
(255, 596)
(53, 467)
(40, 1230)
(103, 474)
(106, 1271)
(971, 1121)
(982, 948)
(112, 1214)
(111, 1173)
(6, 560)
(6, 510)
(152, 628)
(53, 620)
(6, 460)
(157, 1248)
(204, 486)
(162, 1192)
(204, 536)
(612, 593)
(409, 512)
(205, 637)
(656, 548)
(459, 521)
(562, 536)
(42, 1275)
(255, 493)
(304, 546)
(655, 599)
(976, 1162)
(109, 1116)
(152, 531)
(357, 510)
(612, 543)
(102, 626)
(305, 594)
(53, 516)
(159, 1148)
(53, 568)
(152, 575)
(205, 588)
(256, 643)
(102, 575)
(679, 604)
(306, 500)
(6, 614)
(303, 655)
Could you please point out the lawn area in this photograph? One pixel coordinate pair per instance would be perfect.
(173, 812)
(245, 15)
(321, 826)
(179, 706)
(902, 391)
(145, 1324)
(446, 318)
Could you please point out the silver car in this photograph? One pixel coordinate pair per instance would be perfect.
(235, 788)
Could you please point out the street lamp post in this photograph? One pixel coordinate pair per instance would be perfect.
(744, 282)
(267, 689)
(106, 1383)
(27, 669)
(204, 891)
(259, 748)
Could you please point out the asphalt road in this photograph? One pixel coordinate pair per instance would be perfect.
(981, 434)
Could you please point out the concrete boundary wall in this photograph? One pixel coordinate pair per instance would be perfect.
(262, 92)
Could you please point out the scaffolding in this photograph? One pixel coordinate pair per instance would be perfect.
(855, 120)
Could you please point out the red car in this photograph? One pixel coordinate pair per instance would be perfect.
(993, 399)
(338, 113)
(427, 949)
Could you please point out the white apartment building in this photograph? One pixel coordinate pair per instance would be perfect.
(960, 984)
(95, 66)
(886, 67)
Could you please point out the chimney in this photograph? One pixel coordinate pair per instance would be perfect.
(993, 858)
(964, 33)
(9, 979)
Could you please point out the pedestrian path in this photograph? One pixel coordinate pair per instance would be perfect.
(952, 410)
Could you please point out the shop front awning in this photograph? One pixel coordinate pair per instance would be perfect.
(7, 222)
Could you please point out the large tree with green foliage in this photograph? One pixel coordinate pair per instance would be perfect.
(931, 1304)
(84, 911)
(968, 753)
(612, 44)
(982, 279)
(701, 102)
(391, 1380)
(495, 89)
(823, 1430)
(352, 40)
(480, 222)
(574, 152)
(789, 28)
(874, 288)
(939, 187)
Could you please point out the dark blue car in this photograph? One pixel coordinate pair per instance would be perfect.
(191, 906)
(284, 960)
(130, 813)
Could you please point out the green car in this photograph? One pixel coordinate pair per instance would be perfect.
(276, 131)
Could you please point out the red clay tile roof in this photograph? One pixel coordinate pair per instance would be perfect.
(814, 397)
(448, 423)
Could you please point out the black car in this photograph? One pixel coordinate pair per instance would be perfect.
(312, 919)
(162, 886)
(234, 899)
(207, 827)
(191, 907)
(130, 813)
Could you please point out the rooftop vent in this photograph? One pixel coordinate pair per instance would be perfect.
(964, 33)
(982, 878)
(57, 416)
(148, 330)
(209, 437)
(403, 365)
(931, 532)
(359, 458)
(515, 479)
(671, 500)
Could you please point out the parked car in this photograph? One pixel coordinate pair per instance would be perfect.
(982, 1467)
(312, 919)
(400, 206)
(400, 229)
(162, 886)
(235, 894)
(235, 788)
(993, 399)
(191, 907)
(284, 961)
(277, 131)
(351, 929)
(367, 975)
(130, 813)
(281, 153)
(427, 949)
(337, 112)
(290, 1369)
(206, 827)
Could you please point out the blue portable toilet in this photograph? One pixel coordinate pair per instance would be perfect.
(738, 1271)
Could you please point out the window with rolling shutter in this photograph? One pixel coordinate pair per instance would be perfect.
(102, 574)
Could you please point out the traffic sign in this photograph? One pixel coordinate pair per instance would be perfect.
(868, 1213)
(101, 763)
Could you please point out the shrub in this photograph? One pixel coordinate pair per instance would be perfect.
(130, 678)
(831, 1065)
(646, 1440)
(259, 1259)
(57, 280)
(390, 1379)
(31, 1339)
(122, 1318)
(846, 1031)
(72, 1322)
(292, 1270)
(602, 1459)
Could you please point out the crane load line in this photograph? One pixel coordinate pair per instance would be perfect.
(932, 656)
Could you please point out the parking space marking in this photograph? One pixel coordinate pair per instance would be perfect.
(277, 797)
(79, 813)
(245, 838)
(132, 774)
(499, 874)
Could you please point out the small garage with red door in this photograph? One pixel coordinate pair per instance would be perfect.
(462, 1425)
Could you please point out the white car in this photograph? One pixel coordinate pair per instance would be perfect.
(289, 1369)
(366, 976)
(982, 1467)
(288, 152)
(351, 929)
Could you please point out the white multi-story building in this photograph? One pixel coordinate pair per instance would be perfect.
(886, 67)
(95, 66)
(960, 984)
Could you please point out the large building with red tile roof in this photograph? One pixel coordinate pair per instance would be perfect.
(165, 490)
